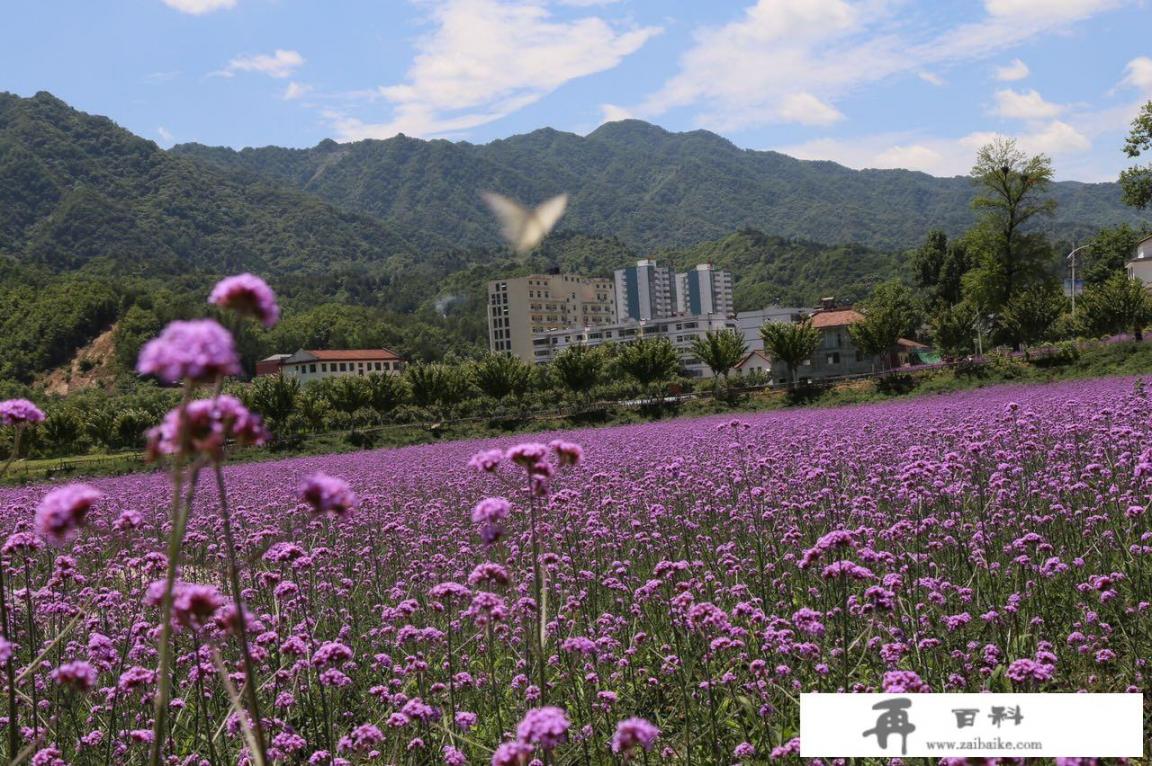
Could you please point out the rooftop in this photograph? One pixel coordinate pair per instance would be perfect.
(836, 318)
(351, 354)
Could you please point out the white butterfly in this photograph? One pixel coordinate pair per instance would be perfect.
(524, 229)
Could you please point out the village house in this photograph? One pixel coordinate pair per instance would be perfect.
(836, 356)
(1140, 266)
(754, 363)
(307, 365)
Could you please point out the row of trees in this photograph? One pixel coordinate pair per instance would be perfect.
(1001, 282)
(493, 384)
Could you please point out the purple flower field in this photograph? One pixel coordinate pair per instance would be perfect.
(682, 581)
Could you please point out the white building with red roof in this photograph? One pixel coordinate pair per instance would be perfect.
(307, 365)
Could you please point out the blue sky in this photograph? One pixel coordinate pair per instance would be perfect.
(868, 83)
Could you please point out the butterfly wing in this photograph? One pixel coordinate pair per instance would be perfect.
(541, 221)
(549, 211)
(514, 218)
(524, 229)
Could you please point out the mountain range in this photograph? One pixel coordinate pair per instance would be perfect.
(643, 185)
(98, 224)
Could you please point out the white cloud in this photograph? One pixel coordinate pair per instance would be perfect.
(198, 7)
(931, 79)
(747, 72)
(1138, 74)
(281, 63)
(1026, 105)
(166, 135)
(781, 61)
(912, 156)
(489, 58)
(1015, 70)
(806, 109)
(1039, 9)
(295, 90)
(1056, 138)
(937, 155)
(887, 150)
(1011, 22)
(613, 113)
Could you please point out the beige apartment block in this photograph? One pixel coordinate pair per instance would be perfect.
(522, 307)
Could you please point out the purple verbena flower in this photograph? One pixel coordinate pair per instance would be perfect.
(199, 350)
(247, 294)
(62, 512)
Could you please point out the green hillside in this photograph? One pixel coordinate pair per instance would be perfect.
(385, 242)
(77, 191)
(644, 185)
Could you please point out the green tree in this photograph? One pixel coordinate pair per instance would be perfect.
(385, 392)
(61, 430)
(436, 384)
(346, 393)
(954, 329)
(130, 426)
(578, 368)
(313, 407)
(501, 376)
(791, 343)
(274, 397)
(1136, 182)
(721, 350)
(1119, 305)
(1107, 252)
(1030, 316)
(1009, 258)
(100, 425)
(876, 334)
(649, 360)
(890, 313)
(939, 266)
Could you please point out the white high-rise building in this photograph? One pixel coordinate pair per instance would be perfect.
(645, 291)
(704, 291)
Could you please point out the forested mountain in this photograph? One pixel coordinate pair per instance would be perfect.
(78, 191)
(386, 242)
(644, 185)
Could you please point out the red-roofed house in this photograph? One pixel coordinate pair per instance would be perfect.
(308, 365)
(836, 356)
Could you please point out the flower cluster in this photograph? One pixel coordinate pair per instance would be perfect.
(328, 494)
(62, 512)
(247, 294)
(15, 412)
(199, 351)
(204, 426)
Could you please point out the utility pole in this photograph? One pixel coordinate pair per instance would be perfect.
(1071, 258)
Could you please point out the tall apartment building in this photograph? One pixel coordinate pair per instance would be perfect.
(645, 291)
(704, 291)
(522, 307)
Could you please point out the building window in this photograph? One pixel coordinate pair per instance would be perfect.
(343, 367)
(834, 357)
(312, 368)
